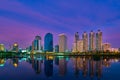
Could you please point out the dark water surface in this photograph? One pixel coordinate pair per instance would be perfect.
(60, 68)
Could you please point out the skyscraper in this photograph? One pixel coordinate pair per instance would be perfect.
(80, 45)
(76, 37)
(36, 44)
(91, 41)
(48, 42)
(62, 43)
(99, 40)
(85, 41)
(75, 49)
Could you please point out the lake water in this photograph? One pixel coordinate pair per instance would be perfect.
(60, 68)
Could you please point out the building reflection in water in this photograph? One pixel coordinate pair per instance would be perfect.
(57, 60)
(85, 66)
(48, 66)
(2, 62)
(91, 67)
(95, 68)
(15, 62)
(76, 63)
(98, 68)
(88, 66)
(106, 62)
(62, 66)
(80, 64)
(36, 64)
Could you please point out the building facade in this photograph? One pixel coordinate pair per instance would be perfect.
(99, 41)
(79, 46)
(106, 47)
(85, 42)
(62, 43)
(48, 42)
(76, 37)
(91, 41)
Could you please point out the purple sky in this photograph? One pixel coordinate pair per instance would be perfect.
(21, 20)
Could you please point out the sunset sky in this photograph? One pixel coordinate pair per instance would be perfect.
(22, 20)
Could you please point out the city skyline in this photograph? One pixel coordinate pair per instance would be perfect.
(90, 41)
(20, 21)
(59, 39)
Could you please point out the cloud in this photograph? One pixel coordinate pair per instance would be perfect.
(28, 19)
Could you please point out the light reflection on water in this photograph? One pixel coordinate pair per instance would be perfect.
(60, 68)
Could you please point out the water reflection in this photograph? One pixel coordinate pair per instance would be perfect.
(89, 68)
(15, 62)
(48, 66)
(2, 62)
(62, 66)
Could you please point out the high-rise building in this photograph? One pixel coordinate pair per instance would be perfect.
(56, 48)
(80, 45)
(62, 43)
(76, 37)
(91, 41)
(106, 47)
(15, 47)
(2, 47)
(85, 41)
(48, 42)
(99, 40)
(75, 49)
(36, 44)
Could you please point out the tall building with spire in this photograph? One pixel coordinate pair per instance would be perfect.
(62, 43)
(91, 41)
(85, 41)
(99, 40)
